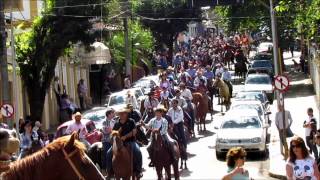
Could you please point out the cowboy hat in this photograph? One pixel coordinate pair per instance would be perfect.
(160, 108)
(123, 110)
(170, 68)
(129, 106)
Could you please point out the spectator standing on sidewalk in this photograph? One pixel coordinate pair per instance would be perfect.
(82, 92)
(310, 126)
(300, 164)
(127, 82)
(283, 126)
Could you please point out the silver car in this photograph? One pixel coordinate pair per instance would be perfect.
(117, 100)
(242, 128)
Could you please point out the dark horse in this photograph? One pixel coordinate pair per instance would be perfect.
(63, 159)
(162, 157)
(201, 103)
(241, 65)
(122, 158)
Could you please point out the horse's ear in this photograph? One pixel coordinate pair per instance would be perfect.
(72, 139)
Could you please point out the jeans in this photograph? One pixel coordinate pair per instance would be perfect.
(137, 157)
(179, 131)
(81, 99)
(106, 147)
(312, 147)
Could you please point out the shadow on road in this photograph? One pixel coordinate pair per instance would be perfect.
(185, 173)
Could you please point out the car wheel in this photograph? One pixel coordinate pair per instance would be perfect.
(219, 155)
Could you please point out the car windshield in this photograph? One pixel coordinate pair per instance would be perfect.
(251, 122)
(95, 117)
(250, 96)
(116, 100)
(248, 106)
(262, 57)
(258, 80)
(257, 64)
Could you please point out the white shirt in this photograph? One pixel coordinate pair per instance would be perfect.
(186, 94)
(219, 71)
(75, 127)
(150, 105)
(279, 121)
(176, 115)
(303, 168)
(132, 100)
(196, 82)
(226, 76)
(308, 129)
(164, 95)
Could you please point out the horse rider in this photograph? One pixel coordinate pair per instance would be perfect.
(127, 128)
(164, 96)
(131, 99)
(176, 114)
(149, 104)
(107, 126)
(226, 77)
(134, 113)
(199, 76)
(158, 123)
(181, 101)
(219, 70)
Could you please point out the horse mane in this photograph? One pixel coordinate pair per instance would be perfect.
(25, 167)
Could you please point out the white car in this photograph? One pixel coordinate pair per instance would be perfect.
(254, 105)
(265, 47)
(97, 115)
(147, 83)
(260, 82)
(118, 100)
(242, 128)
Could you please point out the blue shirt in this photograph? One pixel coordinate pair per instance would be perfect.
(208, 74)
(244, 176)
(192, 72)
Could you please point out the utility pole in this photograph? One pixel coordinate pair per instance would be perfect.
(3, 57)
(278, 71)
(126, 39)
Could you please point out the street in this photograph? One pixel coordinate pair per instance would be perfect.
(202, 162)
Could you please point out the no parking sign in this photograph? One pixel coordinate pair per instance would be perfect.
(281, 83)
(7, 110)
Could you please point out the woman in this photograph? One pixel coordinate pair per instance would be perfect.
(235, 160)
(30, 141)
(164, 83)
(300, 164)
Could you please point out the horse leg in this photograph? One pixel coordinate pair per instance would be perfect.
(159, 172)
(168, 171)
(204, 123)
(175, 165)
(181, 164)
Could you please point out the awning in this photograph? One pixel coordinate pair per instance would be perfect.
(100, 54)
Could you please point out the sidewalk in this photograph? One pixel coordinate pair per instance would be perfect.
(299, 97)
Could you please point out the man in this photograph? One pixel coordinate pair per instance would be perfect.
(76, 126)
(82, 92)
(134, 113)
(149, 104)
(107, 127)
(176, 114)
(127, 133)
(208, 73)
(185, 93)
(198, 78)
(219, 70)
(158, 123)
(131, 99)
(310, 126)
(37, 129)
(282, 126)
(226, 77)
(181, 101)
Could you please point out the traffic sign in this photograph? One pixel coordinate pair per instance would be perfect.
(281, 83)
(7, 110)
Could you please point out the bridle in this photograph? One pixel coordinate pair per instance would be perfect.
(74, 168)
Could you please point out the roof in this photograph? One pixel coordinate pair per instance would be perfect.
(246, 101)
(259, 75)
(241, 113)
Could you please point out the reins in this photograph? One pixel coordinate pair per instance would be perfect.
(74, 168)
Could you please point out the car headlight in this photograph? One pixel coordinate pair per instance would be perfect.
(256, 140)
(220, 140)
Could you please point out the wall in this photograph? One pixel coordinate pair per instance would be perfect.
(314, 67)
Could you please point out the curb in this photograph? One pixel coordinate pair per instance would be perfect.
(277, 176)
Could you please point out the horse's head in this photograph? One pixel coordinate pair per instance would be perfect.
(117, 142)
(156, 140)
(9, 144)
(196, 97)
(217, 82)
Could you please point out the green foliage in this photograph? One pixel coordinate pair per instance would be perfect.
(141, 44)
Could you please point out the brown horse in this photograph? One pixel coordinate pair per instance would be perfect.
(201, 103)
(63, 159)
(162, 157)
(223, 92)
(122, 162)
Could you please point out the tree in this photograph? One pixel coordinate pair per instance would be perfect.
(39, 49)
(166, 18)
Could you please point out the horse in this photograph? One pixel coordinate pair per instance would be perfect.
(223, 92)
(62, 159)
(122, 158)
(9, 144)
(201, 103)
(162, 157)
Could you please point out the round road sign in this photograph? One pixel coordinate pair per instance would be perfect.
(7, 110)
(281, 83)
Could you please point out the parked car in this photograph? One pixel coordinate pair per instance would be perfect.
(93, 134)
(265, 47)
(254, 105)
(242, 128)
(262, 64)
(253, 95)
(260, 82)
(147, 83)
(117, 100)
(263, 56)
(97, 115)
